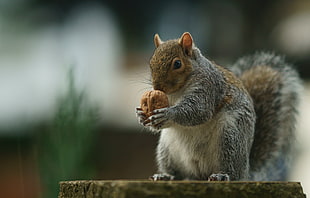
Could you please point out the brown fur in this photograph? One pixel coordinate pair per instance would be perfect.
(262, 82)
(186, 41)
(231, 79)
(157, 40)
(259, 76)
(164, 77)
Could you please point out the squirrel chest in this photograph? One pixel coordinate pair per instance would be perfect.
(196, 149)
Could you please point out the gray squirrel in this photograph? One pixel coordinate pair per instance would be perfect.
(222, 124)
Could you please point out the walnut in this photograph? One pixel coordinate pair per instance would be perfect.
(152, 100)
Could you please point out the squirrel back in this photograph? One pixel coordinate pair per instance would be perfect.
(275, 89)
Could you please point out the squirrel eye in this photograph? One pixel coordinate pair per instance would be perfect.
(177, 64)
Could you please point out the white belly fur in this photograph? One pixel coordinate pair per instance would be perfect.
(195, 150)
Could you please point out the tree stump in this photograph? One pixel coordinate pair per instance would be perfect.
(178, 189)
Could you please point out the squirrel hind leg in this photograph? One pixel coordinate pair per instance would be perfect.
(162, 177)
(219, 177)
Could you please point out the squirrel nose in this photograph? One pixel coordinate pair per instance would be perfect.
(157, 86)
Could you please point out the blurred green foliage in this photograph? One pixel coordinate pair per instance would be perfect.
(65, 147)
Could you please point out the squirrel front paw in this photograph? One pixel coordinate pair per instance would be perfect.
(140, 115)
(219, 177)
(158, 120)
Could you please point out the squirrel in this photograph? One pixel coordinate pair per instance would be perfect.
(223, 124)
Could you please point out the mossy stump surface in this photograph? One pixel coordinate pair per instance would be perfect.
(178, 189)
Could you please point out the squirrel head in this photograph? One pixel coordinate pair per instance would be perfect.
(170, 64)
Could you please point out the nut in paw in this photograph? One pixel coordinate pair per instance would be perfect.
(152, 100)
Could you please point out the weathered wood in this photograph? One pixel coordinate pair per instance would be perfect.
(178, 189)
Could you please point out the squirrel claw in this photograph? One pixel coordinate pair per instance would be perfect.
(219, 177)
(140, 115)
(157, 119)
(159, 111)
(161, 177)
(139, 112)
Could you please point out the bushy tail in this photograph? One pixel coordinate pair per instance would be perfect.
(275, 88)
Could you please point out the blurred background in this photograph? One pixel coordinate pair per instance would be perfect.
(72, 73)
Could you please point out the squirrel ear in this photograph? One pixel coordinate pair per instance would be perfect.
(186, 41)
(157, 40)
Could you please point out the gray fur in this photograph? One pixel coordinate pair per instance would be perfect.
(271, 154)
(210, 124)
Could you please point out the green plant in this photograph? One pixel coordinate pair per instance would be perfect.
(65, 147)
